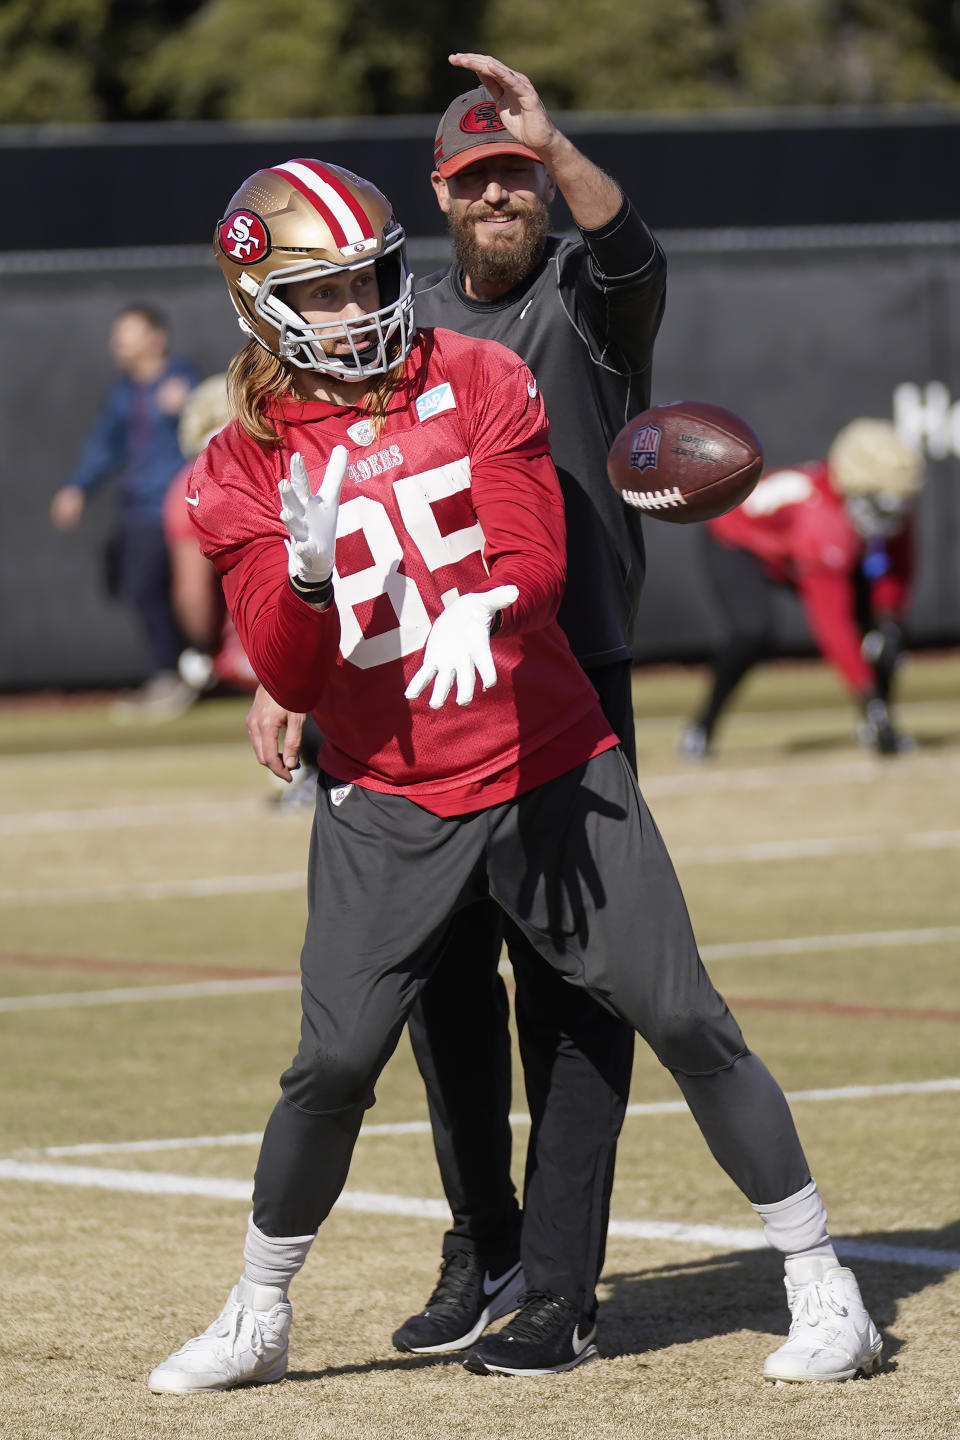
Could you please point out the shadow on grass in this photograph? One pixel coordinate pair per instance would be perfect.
(372, 1367)
(651, 1309)
(830, 744)
(647, 1310)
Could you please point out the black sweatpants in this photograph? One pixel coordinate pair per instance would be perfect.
(143, 577)
(579, 865)
(577, 1061)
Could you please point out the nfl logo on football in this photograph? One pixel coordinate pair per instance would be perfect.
(644, 448)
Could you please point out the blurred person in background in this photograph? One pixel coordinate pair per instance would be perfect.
(135, 439)
(583, 313)
(214, 653)
(839, 532)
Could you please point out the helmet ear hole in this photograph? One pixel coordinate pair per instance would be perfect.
(243, 305)
(387, 269)
(284, 313)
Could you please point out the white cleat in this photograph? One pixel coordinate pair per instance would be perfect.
(245, 1345)
(831, 1335)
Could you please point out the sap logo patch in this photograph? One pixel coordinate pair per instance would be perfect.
(434, 401)
(644, 448)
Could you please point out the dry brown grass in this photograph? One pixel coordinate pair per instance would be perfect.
(98, 1285)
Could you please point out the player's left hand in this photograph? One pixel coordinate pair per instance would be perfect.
(265, 720)
(458, 647)
(519, 105)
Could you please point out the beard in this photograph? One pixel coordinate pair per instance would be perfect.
(503, 262)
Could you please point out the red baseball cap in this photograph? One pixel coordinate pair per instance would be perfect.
(471, 128)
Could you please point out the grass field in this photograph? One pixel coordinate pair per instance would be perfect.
(152, 905)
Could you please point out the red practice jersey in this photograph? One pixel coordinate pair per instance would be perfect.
(797, 525)
(456, 494)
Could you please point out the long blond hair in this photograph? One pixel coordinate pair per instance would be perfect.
(256, 375)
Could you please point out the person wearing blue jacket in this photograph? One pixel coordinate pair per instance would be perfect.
(134, 440)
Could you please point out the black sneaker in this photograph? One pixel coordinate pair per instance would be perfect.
(465, 1301)
(547, 1335)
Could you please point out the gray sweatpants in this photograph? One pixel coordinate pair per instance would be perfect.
(581, 868)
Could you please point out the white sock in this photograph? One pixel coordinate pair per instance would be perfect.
(273, 1260)
(797, 1227)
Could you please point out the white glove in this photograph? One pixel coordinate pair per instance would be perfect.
(458, 647)
(312, 519)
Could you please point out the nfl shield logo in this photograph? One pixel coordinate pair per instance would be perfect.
(645, 447)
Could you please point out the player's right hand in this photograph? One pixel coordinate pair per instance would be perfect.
(311, 520)
(520, 107)
(265, 720)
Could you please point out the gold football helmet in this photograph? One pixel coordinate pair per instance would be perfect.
(303, 219)
(878, 474)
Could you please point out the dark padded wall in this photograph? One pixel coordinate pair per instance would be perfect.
(165, 184)
(793, 331)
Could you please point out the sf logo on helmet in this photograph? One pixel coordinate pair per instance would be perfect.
(244, 237)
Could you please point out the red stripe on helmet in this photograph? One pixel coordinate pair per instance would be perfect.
(331, 178)
(324, 211)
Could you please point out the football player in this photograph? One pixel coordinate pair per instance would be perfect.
(583, 313)
(389, 531)
(839, 532)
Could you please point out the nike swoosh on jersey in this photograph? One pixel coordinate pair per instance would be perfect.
(531, 388)
(193, 499)
(491, 1286)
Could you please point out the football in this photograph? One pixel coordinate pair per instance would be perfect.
(685, 461)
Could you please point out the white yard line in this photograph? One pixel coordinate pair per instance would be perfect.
(136, 995)
(739, 950)
(811, 944)
(160, 890)
(697, 779)
(124, 817)
(704, 777)
(714, 1237)
(422, 1127)
(814, 848)
(145, 757)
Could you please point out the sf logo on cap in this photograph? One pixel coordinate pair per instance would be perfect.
(244, 237)
(482, 117)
